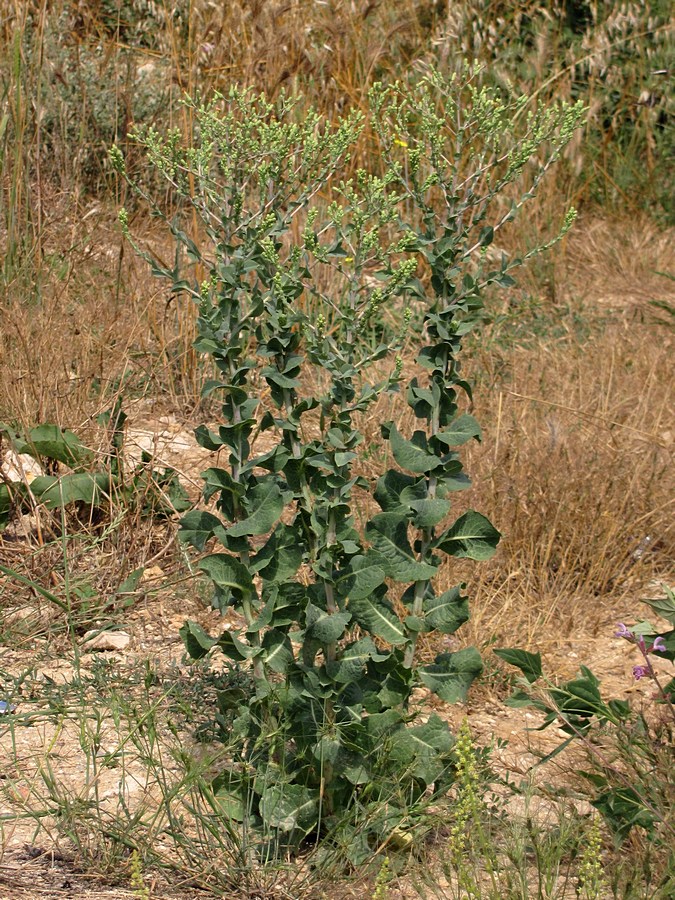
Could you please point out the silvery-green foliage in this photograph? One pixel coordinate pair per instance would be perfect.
(300, 266)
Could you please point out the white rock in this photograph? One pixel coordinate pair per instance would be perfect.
(105, 640)
(20, 467)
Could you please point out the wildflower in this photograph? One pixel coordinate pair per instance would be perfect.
(640, 672)
(659, 645)
(623, 631)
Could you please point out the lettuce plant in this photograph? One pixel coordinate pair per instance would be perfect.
(308, 287)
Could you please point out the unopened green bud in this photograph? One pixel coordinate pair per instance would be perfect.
(320, 326)
(116, 158)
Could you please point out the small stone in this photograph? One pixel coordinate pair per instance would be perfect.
(105, 640)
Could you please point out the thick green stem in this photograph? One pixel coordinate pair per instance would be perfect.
(427, 538)
(244, 556)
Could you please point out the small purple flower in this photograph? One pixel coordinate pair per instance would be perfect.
(659, 645)
(623, 631)
(640, 672)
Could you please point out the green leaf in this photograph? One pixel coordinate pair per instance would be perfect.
(364, 574)
(623, 808)
(5, 505)
(352, 660)
(231, 802)
(220, 480)
(79, 487)
(130, 583)
(418, 749)
(460, 431)
(664, 606)
(235, 649)
(447, 612)
(52, 442)
(472, 536)
(197, 641)
(228, 574)
(429, 512)
(379, 618)
(451, 674)
(323, 626)
(409, 456)
(281, 557)
(278, 651)
(265, 503)
(579, 701)
(452, 482)
(390, 486)
(388, 533)
(209, 440)
(528, 663)
(289, 807)
(197, 527)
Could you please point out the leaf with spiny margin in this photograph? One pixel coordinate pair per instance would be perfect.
(448, 611)
(352, 660)
(324, 626)
(472, 537)
(379, 618)
(281, 556)
(365, 573)
(197, 527)
(528, 663)
(266, 503)
(228, 574)
(278, 651)
(419, 749)
(388, 533)
(451, 674)
(429, 512)
(289, 807)
(197, 642)
(409, 456)
(461, 430)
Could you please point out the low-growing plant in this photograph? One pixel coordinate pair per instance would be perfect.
(308, 288)
(148, 490)
(629, 749)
